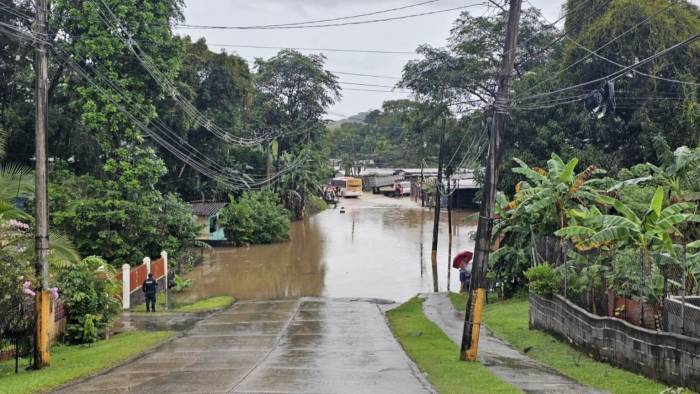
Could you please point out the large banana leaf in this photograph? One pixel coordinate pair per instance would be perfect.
(530, 174)
(610, 234)
(555, 165)
(568, 171)
(575, 231)
(657, 202)
(620, 207)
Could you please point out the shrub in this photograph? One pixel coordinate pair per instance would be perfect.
(181, 283)
(543, 280)
(257, 218)
(89, 290)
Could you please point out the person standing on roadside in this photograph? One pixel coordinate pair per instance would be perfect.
(150, 287)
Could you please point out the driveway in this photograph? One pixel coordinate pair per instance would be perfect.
(311, 345)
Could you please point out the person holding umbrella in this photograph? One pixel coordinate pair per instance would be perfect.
(463, 262)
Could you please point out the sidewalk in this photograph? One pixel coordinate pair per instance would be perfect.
(502, 359)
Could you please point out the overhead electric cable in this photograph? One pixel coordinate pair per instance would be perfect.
(227, 176)
(212, 27)
(364, 75)
(349, 50)
(343, 17)
(581, 46)
(170, 88)
(620, 73)
(647, 19)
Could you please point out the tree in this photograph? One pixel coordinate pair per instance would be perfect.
(293, 91)
(220, 87)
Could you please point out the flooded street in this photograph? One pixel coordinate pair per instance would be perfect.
(379, 248)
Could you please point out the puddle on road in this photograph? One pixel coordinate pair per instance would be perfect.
(379, 248)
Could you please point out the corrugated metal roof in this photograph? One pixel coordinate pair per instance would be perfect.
(206, 208)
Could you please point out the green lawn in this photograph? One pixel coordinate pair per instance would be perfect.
(509, 320)
(69, 363)
(437, 356)
(205, 305)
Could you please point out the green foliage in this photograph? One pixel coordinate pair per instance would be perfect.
(89, 290)
(256, 218)
(69, 363)
(543, 280)
(181, 284)
(89, 331)
(122, 220)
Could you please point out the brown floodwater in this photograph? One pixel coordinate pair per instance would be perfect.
(379, 248)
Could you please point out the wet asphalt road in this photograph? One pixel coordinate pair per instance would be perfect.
(310, 345)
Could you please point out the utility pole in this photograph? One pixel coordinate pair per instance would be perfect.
(436, 219)
(477, 294)
(448, 174)
(41, 67)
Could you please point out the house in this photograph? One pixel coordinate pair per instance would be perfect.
(206, 214)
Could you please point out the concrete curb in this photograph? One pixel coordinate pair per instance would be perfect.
(383, 308)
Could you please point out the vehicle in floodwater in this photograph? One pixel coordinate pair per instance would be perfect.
(349, 186)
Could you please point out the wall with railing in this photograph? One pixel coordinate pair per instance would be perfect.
(132, 278)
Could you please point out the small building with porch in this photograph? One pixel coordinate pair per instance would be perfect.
(206, 214)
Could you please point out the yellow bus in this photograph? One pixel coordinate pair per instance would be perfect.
(349, 186)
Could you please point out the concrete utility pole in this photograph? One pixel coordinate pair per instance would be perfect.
(477, 294)
(41, 67)
(436, 218)
(448, 174)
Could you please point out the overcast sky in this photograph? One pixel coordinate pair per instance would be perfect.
(400, 35)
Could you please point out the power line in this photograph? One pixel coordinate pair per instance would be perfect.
(212, 27)
(598, 49)
(375, 90)
(374, 51)
(620, 73)
(186, 153)
(581, 46)
(364, 75)
(372, 85)
(342, 17)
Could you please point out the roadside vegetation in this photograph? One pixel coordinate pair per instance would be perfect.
(206, 305)
(69, 363)
(509, 321)
(437, 356)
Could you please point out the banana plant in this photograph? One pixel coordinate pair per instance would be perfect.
(546, 195)
(655, 229)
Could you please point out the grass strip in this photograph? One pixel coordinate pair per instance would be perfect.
(205, 305)
(509, 321)
(69, 363)
(437, 356)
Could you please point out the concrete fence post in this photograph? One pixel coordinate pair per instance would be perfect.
(164, 255)
(147, 261)
(126, 286)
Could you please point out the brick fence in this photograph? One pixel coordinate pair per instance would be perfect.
(667, 357)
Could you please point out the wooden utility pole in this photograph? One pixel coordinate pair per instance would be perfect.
(41, 67)
(477, 294)
(436, 219)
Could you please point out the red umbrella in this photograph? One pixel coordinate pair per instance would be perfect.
(465, 256)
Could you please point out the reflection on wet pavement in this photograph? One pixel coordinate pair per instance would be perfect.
(295, 346)
(379, 248)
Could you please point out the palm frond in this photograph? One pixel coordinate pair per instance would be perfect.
(16, 180)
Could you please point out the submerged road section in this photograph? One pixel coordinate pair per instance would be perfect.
(310, 345)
